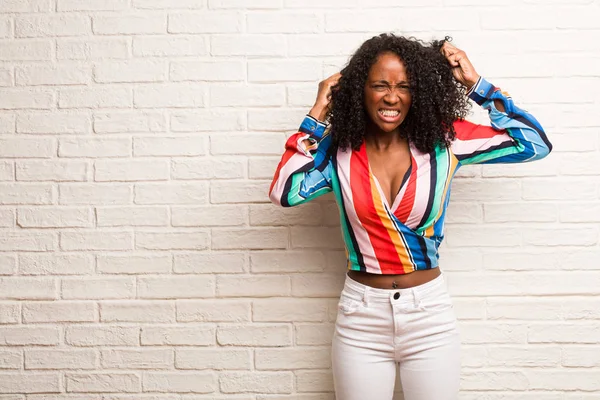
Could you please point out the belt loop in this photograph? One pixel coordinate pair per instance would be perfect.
(416, 298)
(366, 296)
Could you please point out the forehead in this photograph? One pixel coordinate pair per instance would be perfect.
(388, 66)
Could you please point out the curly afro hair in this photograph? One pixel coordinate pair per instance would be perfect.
(437, 98)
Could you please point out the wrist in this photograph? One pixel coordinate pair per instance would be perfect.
(319, 112)
(472, 82)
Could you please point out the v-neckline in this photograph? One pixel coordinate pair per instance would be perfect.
(397, 197)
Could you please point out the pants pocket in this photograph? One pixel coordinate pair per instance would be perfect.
(349, 305)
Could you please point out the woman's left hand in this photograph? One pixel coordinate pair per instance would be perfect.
(462, 69)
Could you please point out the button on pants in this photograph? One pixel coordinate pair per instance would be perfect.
(376, 329)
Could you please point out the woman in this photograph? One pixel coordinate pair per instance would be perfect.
(395, 140)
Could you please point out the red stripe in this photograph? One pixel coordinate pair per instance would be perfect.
(408, 200)
(466, 130)
(360, 183)
(291, 148)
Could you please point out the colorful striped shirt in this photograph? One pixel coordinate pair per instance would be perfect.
(405, 236)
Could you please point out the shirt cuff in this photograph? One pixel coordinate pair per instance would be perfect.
(313, 127)
(481, 91)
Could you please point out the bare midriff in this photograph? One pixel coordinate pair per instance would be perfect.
(403, 281)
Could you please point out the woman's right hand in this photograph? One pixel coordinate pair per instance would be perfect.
(323, 102)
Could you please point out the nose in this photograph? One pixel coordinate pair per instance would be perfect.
(391, 97)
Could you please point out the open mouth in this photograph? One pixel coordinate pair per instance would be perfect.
(389, 115)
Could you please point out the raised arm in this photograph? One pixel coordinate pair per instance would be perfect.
(514, 135)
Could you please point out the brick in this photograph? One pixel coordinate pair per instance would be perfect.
(286, 261)
(580, 356)
(208, 216)
(180, 382)
(230, 70)
(169, 4)
(52, 25)
(131, 170)
(6, 77)
(500, 237)
(137, 359)
(464, 212)
(7, 171)
(10, 359)
(64, 397)
(208, 121)
(25, 50)
(559, 189)
(296, 70)
(8, 264)
(169, 146)
(27, 241)
(97, 194)
(7, 122)
(92, 48)
(569, 333)
(259, 4)
(213, 311)
(137, 311)
(96, 240)
(25, 193)
(171, 95)
(586, 236)
(130, 71)
(207, 263)
(252, 286)
(255, 239)
(562, 379)
(248, 45)
(62, 311)
(168, 46)
(316, 237)
(95, 97)
(262, 168)
(502, 380)
(256, 335)
(7, 218)
(28, 147)
(94, 148)
(329, 45)
(176, 287)
(102, 335)
(33, 336)
(202, 335)
(53, 75)
(524, 356)
(130, 24)
(239, 192)
(579, 212)
(58, 171)
(494, 190)
(102, 382)
(211, 168)
(55, 264)
(205, 22)
(289, 310)
(282, 120)
(524, 309)
(295, 358)
(171, 193)
(499, 333)
(20, 6)
(271, 215)
(297, 22)
(583, 164)
(84, 5)
(54, 217)
(246, 95)
(250, 144)
(314, 381)
(29, 383)
(26, 98)
(133, 264)
(98, 288)
(313, 334)
(129, 121)
(132, 216)
(10, 313)
(256, 382)
(5, 27)
(60, 359)
(171, 240)
(215, 359)
(520, 212)
(317, 285)
(57, 122)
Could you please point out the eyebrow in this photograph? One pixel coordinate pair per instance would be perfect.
(387, 83)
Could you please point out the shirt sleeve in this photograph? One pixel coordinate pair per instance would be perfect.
(514, 136)
(304, 172)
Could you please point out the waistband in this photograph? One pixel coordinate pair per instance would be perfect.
(384, 295)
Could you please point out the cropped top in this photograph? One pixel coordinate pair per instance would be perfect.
(402, 237)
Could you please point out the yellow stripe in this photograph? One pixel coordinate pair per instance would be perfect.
(390, 227)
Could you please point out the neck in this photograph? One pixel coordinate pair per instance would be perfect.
(381, 140)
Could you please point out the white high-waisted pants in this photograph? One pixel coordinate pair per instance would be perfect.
(378, 328)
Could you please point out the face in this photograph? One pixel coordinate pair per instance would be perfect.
(387, 94)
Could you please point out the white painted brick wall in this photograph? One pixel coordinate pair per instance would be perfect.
(140, 258)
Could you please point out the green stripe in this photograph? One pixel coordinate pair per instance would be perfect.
(492, 155)
(442, 163)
